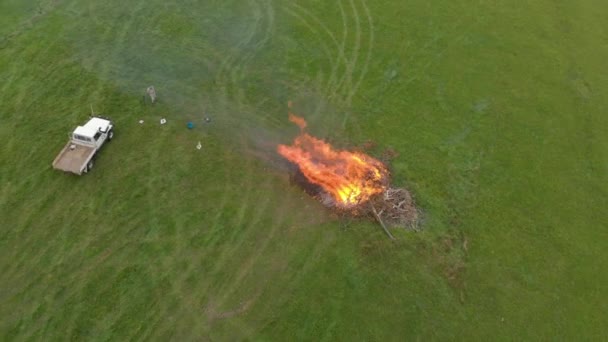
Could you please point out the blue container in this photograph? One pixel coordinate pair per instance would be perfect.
(190, 125)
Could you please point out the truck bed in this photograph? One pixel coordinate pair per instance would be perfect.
(73, 160)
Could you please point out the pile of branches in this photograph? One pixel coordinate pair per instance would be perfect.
(395, 207)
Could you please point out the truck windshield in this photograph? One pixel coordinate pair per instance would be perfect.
(81, 137)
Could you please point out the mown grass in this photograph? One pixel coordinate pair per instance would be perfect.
(497, 112)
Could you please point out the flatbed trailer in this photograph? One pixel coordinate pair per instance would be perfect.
(75, 158)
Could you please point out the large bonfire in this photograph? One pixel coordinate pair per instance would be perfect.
(349, 181)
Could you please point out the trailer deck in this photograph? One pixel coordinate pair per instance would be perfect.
(73, 158)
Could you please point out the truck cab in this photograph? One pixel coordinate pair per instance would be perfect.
(94, 133)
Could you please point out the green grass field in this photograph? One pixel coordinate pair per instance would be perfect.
(498, 110)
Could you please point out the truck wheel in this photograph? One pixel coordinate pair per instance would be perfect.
(110, 134)
(89, 166)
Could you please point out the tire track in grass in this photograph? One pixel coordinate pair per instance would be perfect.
(234, 73)
(230, 191)
(335, 63)
(353, 91)
(316, 33)
(223, 76)
(118, 43)
(344, 88)
(284, 213)
(239, 67)
(346, 81)
(252, 260)
(368, 57)
(241, 233)
(240, 230)
(212, 229)
(244, 190)
(219, 297)
(239, 71)
(155, 171)
(243, 213)
(329, 88)
(103, 70)
(294, 279)
(226, 236)
(250, 231)
(333, 85)
(225, 79)
(213, 234)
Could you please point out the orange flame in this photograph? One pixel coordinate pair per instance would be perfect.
(298, 121)
(350, 178)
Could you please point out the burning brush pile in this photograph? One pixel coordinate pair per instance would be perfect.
(349, 182)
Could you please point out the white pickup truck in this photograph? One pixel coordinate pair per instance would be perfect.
(77, 155)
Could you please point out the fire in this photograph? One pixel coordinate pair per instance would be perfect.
(350, 178)
(298, 121)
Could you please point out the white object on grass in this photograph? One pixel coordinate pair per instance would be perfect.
(141, 121)
(199, 146)
(163, 121)
(152, 93)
